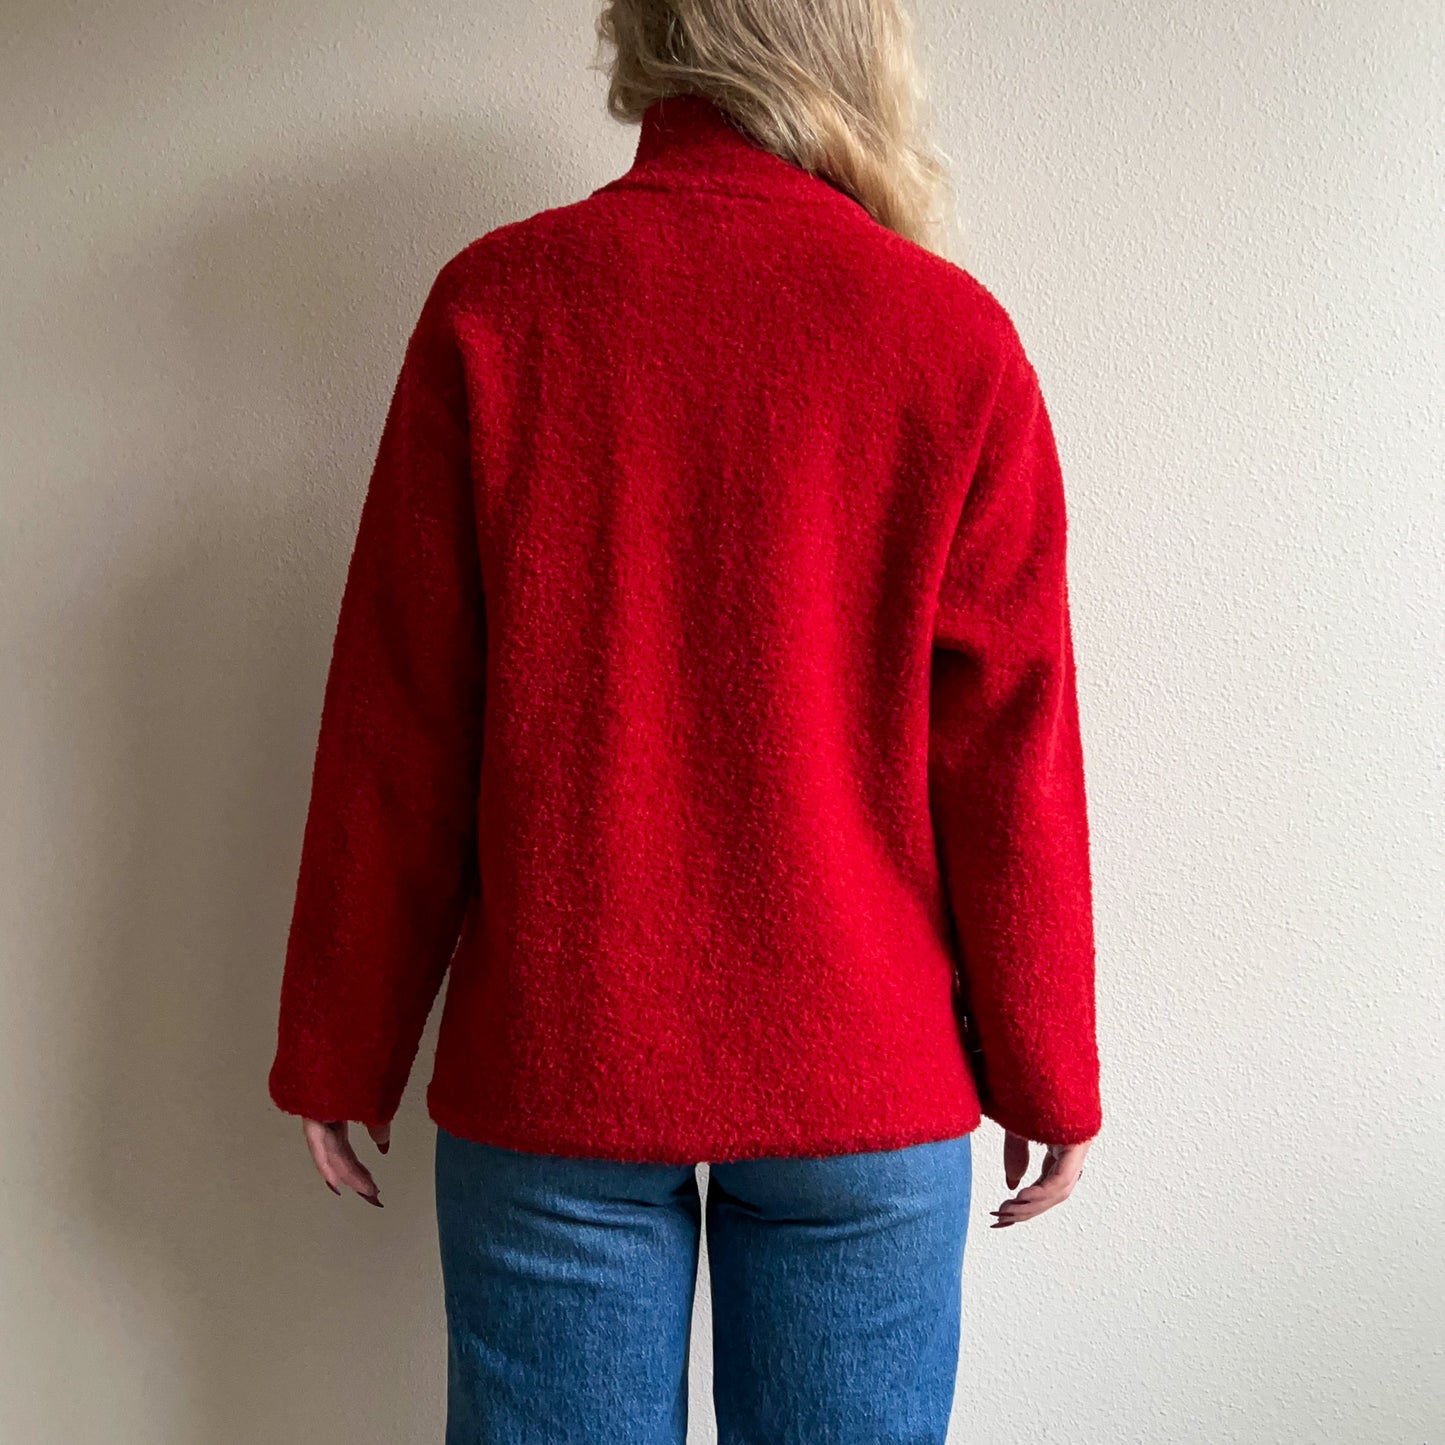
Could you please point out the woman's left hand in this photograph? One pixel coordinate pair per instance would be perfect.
(335, 1159)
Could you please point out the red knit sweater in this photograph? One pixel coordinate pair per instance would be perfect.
(702, 698)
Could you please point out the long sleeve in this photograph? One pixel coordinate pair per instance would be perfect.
(1006, 782)
(388, 856)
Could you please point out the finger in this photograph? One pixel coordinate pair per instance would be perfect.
(1033, 1201)
(1006, 1219)
(1047, 1183)
(1037, 1197)
(380, 1136)
(349, 1170)
(1011, 1213)
(1015, 1158)
(314, 1131)
(1025, 1209)
(1052, 1191)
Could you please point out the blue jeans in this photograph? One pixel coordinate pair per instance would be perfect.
(836, 1295)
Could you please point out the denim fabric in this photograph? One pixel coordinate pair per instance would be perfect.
(836, 1295)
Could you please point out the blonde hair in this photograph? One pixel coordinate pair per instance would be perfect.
(831, 85)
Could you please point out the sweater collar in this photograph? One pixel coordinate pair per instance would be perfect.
(687, 141)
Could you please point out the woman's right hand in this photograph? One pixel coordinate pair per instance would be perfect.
(1062, 1165)
(335, 1159)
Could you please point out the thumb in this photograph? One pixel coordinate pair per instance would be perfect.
(1015, 1158)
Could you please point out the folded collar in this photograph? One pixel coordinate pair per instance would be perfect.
(688, 142)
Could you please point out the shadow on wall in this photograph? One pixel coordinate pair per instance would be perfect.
(187, 715)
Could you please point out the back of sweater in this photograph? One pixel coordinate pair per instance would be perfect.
(702, 696)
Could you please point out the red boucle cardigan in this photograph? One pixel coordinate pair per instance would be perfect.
(702, 697)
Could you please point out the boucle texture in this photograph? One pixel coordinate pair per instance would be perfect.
(702, 700)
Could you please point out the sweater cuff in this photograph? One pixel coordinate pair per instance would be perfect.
(1062, 1122)
(332, 1104)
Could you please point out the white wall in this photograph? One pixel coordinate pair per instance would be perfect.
(1219, 228)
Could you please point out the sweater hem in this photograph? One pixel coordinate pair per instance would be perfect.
(642, 1147)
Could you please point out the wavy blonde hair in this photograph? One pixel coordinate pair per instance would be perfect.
(831, 85)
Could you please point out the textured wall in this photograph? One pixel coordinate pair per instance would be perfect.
(1219, 228)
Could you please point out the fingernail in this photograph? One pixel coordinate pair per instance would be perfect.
(376, 1200)
(385, 1148)
(331, 1187)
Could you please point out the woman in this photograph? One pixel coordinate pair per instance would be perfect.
(703, 700)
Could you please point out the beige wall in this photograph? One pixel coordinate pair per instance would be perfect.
(1219, 230)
